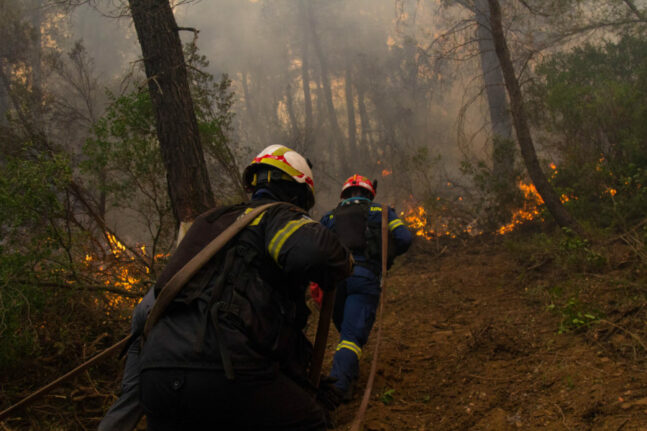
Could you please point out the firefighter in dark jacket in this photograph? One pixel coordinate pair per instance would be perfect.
(229, 353)
(358, 220)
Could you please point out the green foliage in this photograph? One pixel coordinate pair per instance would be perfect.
(387, 396)
(594, 100)
(123, 156)
(578, 254)
(32, 232)
(574, 315)
(564, 249)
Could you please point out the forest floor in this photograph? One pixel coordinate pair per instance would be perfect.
(477, 334)
(471, 341)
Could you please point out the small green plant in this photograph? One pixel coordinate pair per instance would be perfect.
(578, 252)
(572, 241)
(570, 382)
(387, 396)
(574, 317)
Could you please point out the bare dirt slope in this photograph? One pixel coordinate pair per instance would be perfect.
(467, 346)
(469, 342)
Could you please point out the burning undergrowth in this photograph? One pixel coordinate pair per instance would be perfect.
(449, 217)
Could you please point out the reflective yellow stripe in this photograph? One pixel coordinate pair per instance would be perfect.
(395, 223)
(330, 216)
(281, 151)
(376, 208)
(345, 344)
(282, 166)
(258, 218)
(282, 235)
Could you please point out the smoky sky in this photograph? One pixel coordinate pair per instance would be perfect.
(262, 42)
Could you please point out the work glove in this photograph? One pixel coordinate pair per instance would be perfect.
(316, 293)
(327, 393)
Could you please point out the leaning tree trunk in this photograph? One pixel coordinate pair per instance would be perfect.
(503, 160)
(177, 127)
(545, 190)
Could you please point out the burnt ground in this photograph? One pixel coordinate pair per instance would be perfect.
(476, 335)
(470, 341)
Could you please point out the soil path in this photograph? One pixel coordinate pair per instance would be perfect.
(465, 346)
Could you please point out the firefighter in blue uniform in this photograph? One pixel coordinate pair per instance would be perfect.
(357, 220)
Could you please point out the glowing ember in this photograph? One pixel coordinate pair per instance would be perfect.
(115, 246)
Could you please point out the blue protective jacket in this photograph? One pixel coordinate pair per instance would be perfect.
(400, 236)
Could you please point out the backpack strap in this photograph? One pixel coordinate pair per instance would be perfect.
(179, 280)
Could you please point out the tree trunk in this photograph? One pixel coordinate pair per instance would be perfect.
(503, 159)
(327, 93)
(5, 103)
(305, 77)
(35, 61)
(177, 128)
(545, 190)
(350, 111)
(294, 126)
(365, 139)
(248, 102)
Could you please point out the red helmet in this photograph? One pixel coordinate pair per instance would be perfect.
(358, 181)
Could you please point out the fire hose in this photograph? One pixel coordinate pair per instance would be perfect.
(321, 337)
(361, 412)
(315, 369)
(42, 391)
(168, 293)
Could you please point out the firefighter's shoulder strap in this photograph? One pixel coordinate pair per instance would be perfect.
(175, 284)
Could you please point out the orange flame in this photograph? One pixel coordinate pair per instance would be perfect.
(386, 172)
(115, 246)
(529, 211)
(120, 270)
(417, 221)
(420, 222)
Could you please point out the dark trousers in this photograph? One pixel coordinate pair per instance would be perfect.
(187, 399)
(356, 303)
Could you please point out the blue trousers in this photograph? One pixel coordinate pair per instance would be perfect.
(356, 302)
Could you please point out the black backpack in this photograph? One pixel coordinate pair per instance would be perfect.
(361, 236)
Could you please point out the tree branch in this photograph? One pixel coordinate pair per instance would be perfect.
(630, 4)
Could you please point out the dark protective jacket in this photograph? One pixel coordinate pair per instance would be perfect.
(246, 306)
(358, 223)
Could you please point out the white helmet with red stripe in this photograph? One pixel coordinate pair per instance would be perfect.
(358, 181)
(288, 161)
